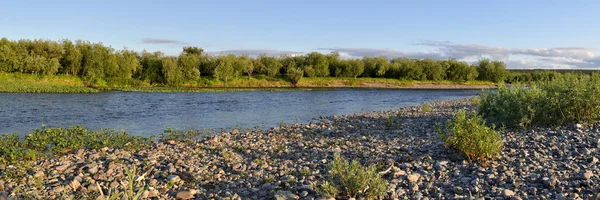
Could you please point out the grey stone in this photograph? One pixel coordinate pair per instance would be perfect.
(285, 195)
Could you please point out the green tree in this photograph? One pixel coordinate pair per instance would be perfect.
(489, 70)
(172, 73)
(246, 65)
(225, 69)
(71, 60)
(189, 65)
(317, 64)
(152, 65)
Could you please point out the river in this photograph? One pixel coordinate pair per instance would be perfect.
(151, 113)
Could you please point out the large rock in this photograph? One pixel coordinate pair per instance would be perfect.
(285, 195)
(184, 195)
(413, 178)
(508, 193)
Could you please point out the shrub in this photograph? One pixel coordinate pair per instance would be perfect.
(469, 135)
(352, 180)
(295, 74)
(568, 99)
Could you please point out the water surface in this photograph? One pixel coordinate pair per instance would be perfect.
(151, 113)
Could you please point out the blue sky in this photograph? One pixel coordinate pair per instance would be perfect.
(541, 34)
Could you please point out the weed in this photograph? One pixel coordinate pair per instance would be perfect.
(130, 192)
(426, 107)
(182, 136)
(304, 172)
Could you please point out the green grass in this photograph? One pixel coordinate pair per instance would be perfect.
(29, 83)
(46, 142)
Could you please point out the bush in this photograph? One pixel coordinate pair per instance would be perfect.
(568, 99)
(469, 135)
(352, 180)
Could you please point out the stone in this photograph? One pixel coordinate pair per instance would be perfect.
(237, 166)
(549, 182)
(508, 193)
(413, 178)
(39, 174)
(75, 184)
(304, 193)
(414, 187)
(588, 175)
(285, 195)
(61, 168)
(184, 195)
(173, 178)
(93, 169)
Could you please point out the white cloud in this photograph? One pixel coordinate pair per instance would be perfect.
(557, 57)
(256, 52)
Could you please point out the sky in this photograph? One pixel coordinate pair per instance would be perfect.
(524, 34)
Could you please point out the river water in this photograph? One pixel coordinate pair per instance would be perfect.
(151, 113)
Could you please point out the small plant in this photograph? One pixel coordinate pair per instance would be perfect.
(475, 101)
(304, 172)
(471, 136)
(426, 107)
(129, 193)
(281, 147)
(181, 136)
(352, 180)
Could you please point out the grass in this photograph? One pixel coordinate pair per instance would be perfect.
(182, 136)
(29, 83)
(352, 180)
(470, 135)
(46, 142)
(130, 192)
(565, 100)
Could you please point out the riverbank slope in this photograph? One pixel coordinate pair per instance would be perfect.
(293, 160)
(28, 83)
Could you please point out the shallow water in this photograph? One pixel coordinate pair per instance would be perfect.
(151, 113)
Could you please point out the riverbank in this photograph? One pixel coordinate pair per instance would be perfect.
(294, 160)
(28, 83)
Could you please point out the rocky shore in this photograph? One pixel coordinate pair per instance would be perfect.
(291, 161)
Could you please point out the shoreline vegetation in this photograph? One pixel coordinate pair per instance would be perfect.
(540, 141)
(67, 66)
(29, 83)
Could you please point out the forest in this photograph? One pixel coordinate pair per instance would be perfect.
(99, 64)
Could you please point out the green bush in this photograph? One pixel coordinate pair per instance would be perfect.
(471, 136)
(352, 180)
(567, 99)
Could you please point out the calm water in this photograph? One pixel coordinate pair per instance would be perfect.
(150, 113)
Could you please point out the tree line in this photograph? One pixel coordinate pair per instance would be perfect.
(96, 63)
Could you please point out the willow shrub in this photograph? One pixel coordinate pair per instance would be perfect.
(568, 99)
(470, 135)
